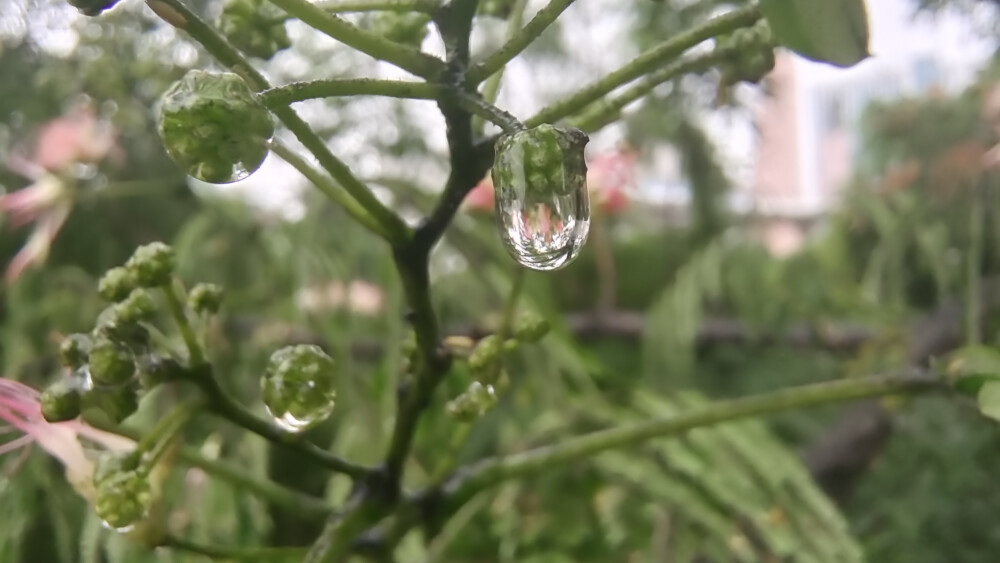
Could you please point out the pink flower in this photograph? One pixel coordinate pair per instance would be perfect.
(21, 411)
(480, 198)
(358, 297)
(78, 137)
(609, 177)
(47, 203)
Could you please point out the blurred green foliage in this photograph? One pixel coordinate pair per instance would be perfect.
(737, 492)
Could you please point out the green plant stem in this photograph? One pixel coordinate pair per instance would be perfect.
(518, 42)
(265, 489)
(491, 87)
(468, 481)
(250, 554)
(222, 404)
(510, 307)
(372, 44)
(339, 6)
(599, 114)
(178, 15)
(305, 505)
(480, 107)
(152, 446)
(647, 62)
(329, 188)
(276, 98)
(300, 91)
(177, 311)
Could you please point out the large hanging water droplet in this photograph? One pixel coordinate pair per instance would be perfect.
(298, 387)
(214, 127)
(541, 199)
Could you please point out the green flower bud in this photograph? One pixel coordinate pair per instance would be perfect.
(92, 7)
(408, 28)
(255, 27)
(530, 328)
(152, 265)
(138, 307)
(541, 162)
(157, 370)
(61, 400)
(74, 349)
(205, 298)
(298, 387)
(753, 56)
(116, 284)
(214, 127)
(486, 352)
(109, 326)
(111, 363)
(123, 499)
(472, 404)
(114, 403)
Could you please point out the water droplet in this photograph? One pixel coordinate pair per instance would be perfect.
(121, 530)
(298, 387)
(214, 127)
(542, 203)
(544, 236)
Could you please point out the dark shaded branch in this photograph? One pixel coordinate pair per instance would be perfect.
(842, 454)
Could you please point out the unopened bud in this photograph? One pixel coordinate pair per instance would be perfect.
(61, 401)
(111, 363)
(152, 265)
(116, 284)
(205, 298)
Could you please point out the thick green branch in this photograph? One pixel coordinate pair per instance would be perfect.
(300, 91)
(518, 42)
(330, 188)
(647, 62)
(606, 111)
(249, 554)
(340, 6)
(492, 471)
(406, 58)
(177, 14)
(455, 23)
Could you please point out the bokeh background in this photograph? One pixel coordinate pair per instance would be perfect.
(823, 224)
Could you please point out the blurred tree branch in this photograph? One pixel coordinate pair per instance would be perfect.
(842, 453)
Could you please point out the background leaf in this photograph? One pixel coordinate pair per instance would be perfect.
(831, 31)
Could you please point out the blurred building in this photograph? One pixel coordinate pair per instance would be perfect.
(808, 135)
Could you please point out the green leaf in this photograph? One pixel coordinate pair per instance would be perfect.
(989, 400)
(969, 368)
(830, 31)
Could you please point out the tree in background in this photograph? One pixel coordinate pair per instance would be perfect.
(411, 424)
